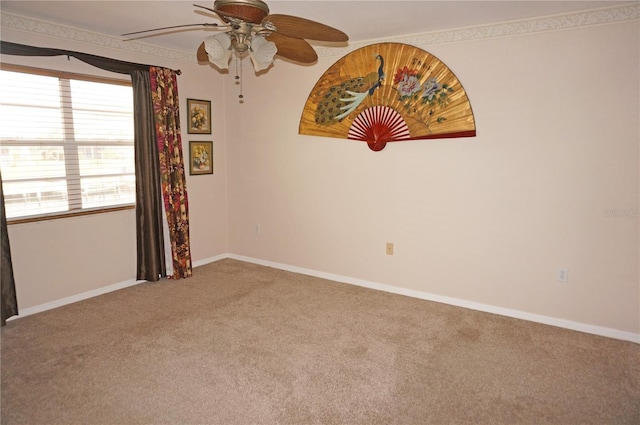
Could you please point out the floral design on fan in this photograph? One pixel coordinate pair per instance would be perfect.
(408, 82)
(431, 93)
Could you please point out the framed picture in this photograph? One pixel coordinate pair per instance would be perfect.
(199, 116)
(200, 158)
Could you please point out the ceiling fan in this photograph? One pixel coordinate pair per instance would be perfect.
(252, 31)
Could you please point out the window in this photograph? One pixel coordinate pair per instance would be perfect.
(66, 143)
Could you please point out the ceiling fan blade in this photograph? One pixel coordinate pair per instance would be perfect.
(294, 26)
(295, 49)
(221, 14)
(202, 54)
(170, 28)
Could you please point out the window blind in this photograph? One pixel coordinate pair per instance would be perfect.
(66, 144)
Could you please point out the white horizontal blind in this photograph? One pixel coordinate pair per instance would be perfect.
(66, 145)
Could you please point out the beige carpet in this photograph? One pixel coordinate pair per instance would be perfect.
(240, 343)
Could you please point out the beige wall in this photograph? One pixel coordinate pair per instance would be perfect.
(488, 220)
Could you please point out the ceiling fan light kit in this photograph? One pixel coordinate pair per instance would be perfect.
(219, 48)
(245, 37)
(252, 31)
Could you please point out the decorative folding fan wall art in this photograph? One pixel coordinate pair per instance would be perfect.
(388, 92)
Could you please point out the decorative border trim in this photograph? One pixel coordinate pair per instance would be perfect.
(49, 29)
(594, 17)
(610, 15)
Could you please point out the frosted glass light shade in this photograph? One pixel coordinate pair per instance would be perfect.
(262, 52)
(218, 48)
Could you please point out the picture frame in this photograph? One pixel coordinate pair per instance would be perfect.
(200, 158)
(199, 113)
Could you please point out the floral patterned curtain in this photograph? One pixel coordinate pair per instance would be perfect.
(164, 88)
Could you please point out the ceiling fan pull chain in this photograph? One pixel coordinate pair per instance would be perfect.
(238, 79)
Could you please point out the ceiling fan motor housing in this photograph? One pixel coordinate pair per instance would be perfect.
(253, 11)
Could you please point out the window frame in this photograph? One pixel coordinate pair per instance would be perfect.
(68, 76)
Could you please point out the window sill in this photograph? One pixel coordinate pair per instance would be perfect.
(67, 214)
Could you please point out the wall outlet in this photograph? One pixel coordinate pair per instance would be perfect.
(258, 229)
(563, 275)
(389, 248)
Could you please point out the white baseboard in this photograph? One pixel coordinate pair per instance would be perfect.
(75, 298)
(516, 314)
(94, 293)
(210, 260)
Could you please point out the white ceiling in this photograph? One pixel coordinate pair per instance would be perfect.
(361, 20)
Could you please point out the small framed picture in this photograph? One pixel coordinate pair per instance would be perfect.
(200, 158)
(199, 116)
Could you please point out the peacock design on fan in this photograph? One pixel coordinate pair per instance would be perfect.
(420, 99)
(342, 99)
